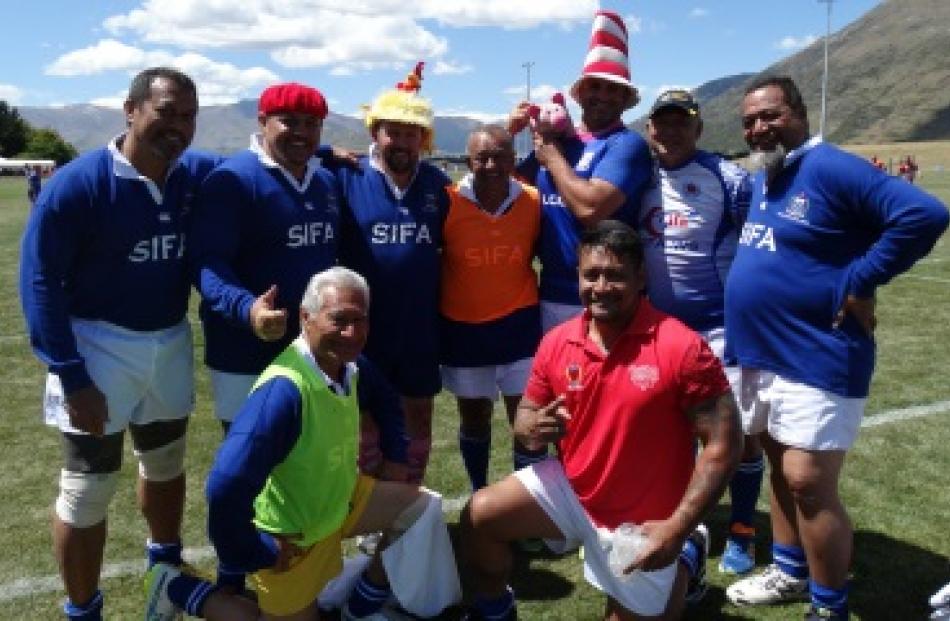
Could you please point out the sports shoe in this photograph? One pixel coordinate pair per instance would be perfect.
(737, 559)
(346, 615)
(771, 586)
(696, 588)
(158, 607)
(816, 613)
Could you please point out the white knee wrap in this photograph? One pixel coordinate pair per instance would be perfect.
(83, 499)
(410, 514)
(164, 463)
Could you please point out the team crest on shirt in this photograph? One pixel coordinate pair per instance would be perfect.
(186, 202)
(691, 189)
(308, 205)
(164, 216)
(574, 376)
(644, 376)
(333, 205)
(796, 209)
(585, 161)
(429, 203)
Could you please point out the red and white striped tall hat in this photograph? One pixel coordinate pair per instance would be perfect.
(607, 55)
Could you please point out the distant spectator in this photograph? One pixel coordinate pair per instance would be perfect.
(33, 182)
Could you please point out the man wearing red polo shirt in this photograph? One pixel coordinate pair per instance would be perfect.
(623, 390)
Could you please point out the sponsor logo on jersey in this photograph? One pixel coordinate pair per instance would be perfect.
(501, 254)
(757, 236)
(796, 209)
(169, 247)
(308, 205)
(691, 189)
(644, 376)
(164, 216)
(553, 200)
(574, 376)
(309, 234)
(400, 233)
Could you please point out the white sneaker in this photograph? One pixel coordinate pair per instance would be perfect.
(772, 586)
(940, 602)
(158, 607)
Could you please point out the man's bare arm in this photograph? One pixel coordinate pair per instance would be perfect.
(717, 425)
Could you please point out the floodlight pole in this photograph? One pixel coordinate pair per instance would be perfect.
(527, 66)
(824, 78)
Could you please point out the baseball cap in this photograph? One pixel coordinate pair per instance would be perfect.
(676, 98)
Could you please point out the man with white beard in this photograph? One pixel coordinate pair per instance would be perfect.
(824, 230)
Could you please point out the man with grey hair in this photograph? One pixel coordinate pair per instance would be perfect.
(285, 489)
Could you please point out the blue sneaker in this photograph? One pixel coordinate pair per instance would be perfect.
(737, 559)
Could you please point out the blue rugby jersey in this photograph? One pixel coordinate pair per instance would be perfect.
(620, 157)
(830, 224)
(256, 226)
(394, 242)
(105, 243)
(689, 222)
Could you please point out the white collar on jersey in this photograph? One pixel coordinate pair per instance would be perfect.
(396, 190)
(301, 186)
(338, 388)
(466, 187)
(124, 169)
(801, 150)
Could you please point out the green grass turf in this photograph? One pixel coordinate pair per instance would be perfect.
(894, 483)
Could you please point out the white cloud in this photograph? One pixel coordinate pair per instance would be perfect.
(796, 43)
(106, 55)
(10, 93)
(539, 92)
(698, 13)
(218, 82)
(634, 23)
(481, 117)
(448, 68)
(345, 35)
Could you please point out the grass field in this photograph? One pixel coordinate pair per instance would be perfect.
(895, 482)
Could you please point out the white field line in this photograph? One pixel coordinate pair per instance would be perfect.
(22, 587)
(943, 281)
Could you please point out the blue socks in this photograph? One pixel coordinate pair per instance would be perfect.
(475, 454)
(168, 553)
(744, 492)
(790, 559)
(90, 611)
(689, 556)
(367, 598)
(835, 600)
(498, 609)
(190, 593)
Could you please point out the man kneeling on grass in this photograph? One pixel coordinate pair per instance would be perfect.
(284, 489)
(623, 390)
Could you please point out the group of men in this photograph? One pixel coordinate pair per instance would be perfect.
(658, 262)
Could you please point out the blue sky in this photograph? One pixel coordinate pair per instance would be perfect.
(59, 52)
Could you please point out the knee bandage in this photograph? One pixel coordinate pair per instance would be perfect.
(84, 498)
(163, 463)
(410, 514)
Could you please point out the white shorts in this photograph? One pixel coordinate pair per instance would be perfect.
(645, 592)
(145, 376)
(486, 382)
(716, 339)
(230, 391)
(554, 314)
(798, 415)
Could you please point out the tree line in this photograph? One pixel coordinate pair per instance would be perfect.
(19, 139)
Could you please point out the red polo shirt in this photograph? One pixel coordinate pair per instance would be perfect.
(629, 449)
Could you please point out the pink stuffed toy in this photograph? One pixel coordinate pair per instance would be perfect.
(551, 119)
